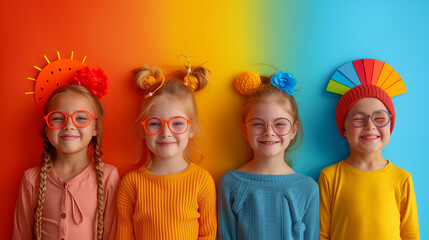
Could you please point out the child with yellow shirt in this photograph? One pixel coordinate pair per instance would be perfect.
(365, 196)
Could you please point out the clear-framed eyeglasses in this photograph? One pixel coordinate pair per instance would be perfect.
(177, 125)
(281, 126)
(58, 119)
(380, 118)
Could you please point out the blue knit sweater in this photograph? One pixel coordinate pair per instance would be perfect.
(256, 206)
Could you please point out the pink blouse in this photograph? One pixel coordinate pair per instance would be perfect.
(70, 209)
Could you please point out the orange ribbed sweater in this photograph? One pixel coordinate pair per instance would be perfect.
(175, 206)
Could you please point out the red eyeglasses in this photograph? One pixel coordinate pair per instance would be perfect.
(58, 119)
(177, 125)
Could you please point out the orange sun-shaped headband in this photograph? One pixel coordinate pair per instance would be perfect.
(66, 72)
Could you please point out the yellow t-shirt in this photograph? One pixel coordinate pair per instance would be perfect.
(367, 205)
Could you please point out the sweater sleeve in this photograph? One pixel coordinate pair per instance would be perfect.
(110, 206)
(207, 209)
(409, 220)
(226, 216)
(311, 216)
(24, 214)
(325, 207)
(126, 203)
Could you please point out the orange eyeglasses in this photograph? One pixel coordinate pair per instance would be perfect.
(177, 125)
(58, 119)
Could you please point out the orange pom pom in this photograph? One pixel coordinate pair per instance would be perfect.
(247, 82)
(148, 82)
(191, 82)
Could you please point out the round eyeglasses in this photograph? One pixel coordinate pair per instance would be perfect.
(380, 118)
(177, 125)
(281, 126)
(58, 119)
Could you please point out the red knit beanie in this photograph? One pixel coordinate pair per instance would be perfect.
(356, 93)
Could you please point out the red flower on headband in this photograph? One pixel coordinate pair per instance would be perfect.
(95, 80)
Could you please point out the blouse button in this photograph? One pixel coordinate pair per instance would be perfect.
(65, 185)
(63, 215)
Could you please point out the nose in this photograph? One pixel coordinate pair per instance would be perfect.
(69, 123)
(165, 131)
(269, 130)
(369, 123)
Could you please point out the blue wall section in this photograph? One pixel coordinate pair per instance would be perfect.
(327, 34)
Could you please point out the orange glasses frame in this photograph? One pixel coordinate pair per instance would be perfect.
(163, 123)
(67, 117)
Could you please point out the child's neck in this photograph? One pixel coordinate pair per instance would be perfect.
(165, 166)
(269, 166)
(366, 162)
(67, 166)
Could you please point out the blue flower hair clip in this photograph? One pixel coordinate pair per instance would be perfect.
(284, 81)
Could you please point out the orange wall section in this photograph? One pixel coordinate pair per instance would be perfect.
(118, 38)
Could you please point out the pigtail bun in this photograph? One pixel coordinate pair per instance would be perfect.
(197, 79)
(247, 82)
(147, 77)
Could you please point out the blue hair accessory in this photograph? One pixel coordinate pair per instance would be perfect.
(284, 81)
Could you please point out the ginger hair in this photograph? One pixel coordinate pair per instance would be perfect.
(172, 87)
(269, 93)
(94, 150)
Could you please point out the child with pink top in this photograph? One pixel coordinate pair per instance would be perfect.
(72, 194)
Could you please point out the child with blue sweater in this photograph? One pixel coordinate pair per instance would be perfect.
(265, 198)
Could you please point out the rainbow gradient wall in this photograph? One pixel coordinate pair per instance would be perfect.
(308, 38)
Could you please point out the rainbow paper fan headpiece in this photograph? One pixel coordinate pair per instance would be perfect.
(365, 78)
(366, 71)
(66, 72)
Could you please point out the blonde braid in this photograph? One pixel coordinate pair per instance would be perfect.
(46, 165)
(100, 190)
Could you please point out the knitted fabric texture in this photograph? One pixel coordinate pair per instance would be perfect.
(192, 82)
(148, 82)
(359, 92)
(247, 82)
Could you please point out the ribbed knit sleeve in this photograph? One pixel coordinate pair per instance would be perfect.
(175, 206)
(126, 203)
(207, 207)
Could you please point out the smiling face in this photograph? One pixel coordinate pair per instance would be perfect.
(369, 138)
(268, 144)
(70, 139)
(167, 145)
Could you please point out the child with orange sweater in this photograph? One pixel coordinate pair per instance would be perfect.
(170, 197)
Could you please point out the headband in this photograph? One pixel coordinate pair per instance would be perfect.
(248, 82)
(66, 72)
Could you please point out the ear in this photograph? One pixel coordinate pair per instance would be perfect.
(243, 129)
(294, 130)
(191, 133)
(191, 130)
(94, 132)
